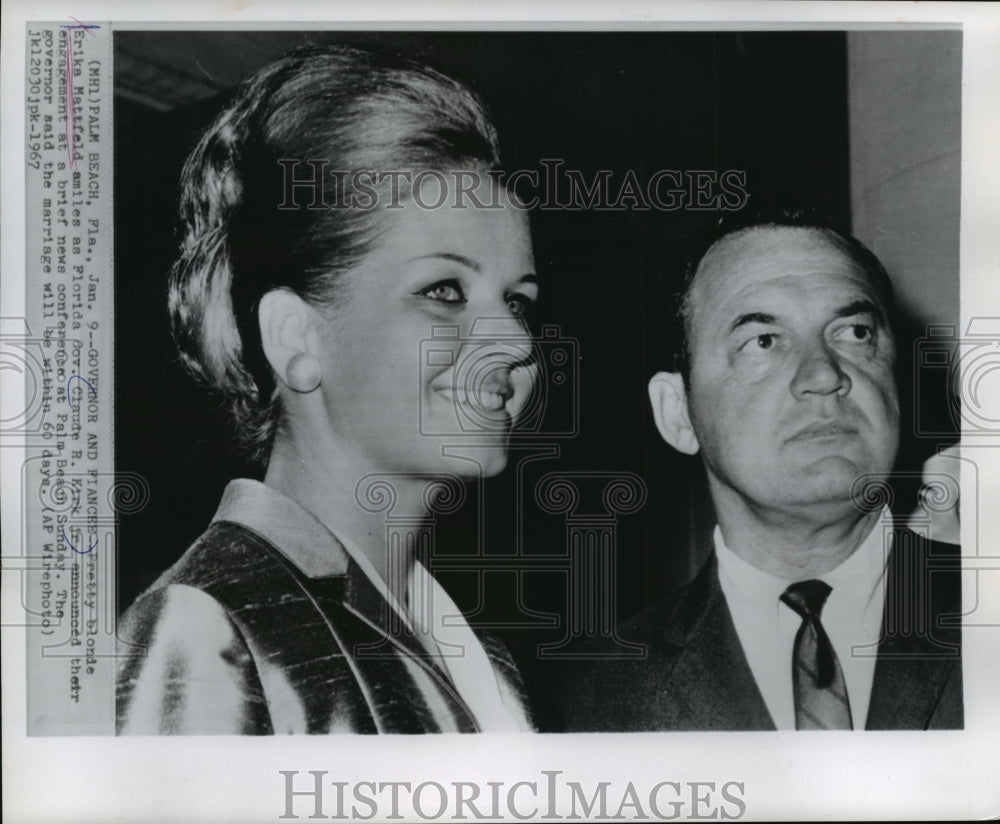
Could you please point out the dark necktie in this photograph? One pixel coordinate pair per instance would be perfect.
(820, 692)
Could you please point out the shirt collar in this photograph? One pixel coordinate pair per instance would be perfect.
(861, 574)
(742, 580)
(290, 528)
(305, 541)
(857, 573)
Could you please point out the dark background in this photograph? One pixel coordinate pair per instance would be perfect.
(771, 104)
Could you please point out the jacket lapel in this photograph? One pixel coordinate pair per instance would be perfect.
(390, 656)
(917, 658)
(708, 683)
(711, 681)
(367, 603)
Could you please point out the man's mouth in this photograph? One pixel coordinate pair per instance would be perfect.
(824, 429)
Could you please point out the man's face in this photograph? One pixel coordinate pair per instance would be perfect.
(791, 393)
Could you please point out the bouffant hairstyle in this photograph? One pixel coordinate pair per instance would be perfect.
(337, 109)
(685, 263)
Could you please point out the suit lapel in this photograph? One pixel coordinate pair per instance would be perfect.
(505, 670)
(711, 681)
(394, 636)
(388, 656)
(367, 603)
(916, 657)
(708, 683)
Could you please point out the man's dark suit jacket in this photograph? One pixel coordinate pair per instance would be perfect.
(695, 675)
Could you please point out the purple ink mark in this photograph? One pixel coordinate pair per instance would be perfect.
(70, 100)
(69, 543)
(85, 26)
(69, 397)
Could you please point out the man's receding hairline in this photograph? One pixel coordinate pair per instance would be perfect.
(831, 235)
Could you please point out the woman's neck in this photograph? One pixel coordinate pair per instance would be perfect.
(325, 480)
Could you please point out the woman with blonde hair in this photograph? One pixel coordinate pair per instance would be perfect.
(317, 257)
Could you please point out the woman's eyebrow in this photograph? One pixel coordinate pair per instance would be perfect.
(460, 259)
(469, 263)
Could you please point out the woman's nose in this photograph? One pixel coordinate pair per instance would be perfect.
(506, 338)
(497, 355)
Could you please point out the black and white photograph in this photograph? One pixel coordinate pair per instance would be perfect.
(349, 413)
(622, 394)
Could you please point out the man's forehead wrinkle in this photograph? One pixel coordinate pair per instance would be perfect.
(793, 261)
(799, 283)
(780, 264)
(780, 284)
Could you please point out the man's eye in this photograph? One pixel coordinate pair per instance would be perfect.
(761, 343)
(856, 333)
(519, 305)
(445, 292)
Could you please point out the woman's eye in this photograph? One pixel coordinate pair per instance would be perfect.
(519, 305)
(445, 292)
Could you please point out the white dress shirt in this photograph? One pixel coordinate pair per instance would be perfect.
(852, 618)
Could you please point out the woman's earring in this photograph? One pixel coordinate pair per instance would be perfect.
(303, 372)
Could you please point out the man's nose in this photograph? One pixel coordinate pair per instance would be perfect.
(820, 372)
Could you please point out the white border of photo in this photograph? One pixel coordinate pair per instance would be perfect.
(785, 776)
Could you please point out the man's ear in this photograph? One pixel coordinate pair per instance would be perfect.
(668, 397)
(287, 333)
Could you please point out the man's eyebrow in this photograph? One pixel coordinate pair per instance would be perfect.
(750, 317)
(861, 307)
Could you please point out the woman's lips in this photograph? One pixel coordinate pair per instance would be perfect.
(481, 400)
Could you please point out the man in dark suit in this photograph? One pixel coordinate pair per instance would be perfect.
(812, 611)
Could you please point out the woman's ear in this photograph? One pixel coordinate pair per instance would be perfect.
(289, 339)
(668, 397)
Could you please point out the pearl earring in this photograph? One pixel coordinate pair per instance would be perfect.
(303, 373)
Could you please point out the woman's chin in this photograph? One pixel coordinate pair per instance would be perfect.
(477, 460)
